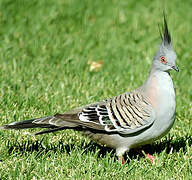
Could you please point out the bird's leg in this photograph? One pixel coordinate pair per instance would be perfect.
(120, 151)
(121, 160)
(148, 156)
(151, 158)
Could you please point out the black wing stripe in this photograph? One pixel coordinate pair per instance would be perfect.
(135, 116)
(89, 114)
(91, 108)
(92, 116)
(117, 112)
(143, 100)
(121, 112)
(139, 97)
(136, 111)
(142, 111)
(130, 99)
(125, 111)
(114, 115)
(133, 107)
(102, 107)
(129, 116)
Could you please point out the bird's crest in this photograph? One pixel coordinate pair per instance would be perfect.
(166, 37)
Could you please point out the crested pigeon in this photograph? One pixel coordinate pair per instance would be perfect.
(128, 120)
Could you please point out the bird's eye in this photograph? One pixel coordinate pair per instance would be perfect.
(163, 60)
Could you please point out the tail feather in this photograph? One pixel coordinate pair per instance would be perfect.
(26, 124)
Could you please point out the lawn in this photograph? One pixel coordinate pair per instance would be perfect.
(46, 48)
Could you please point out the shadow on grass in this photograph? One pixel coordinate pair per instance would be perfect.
(168, 145)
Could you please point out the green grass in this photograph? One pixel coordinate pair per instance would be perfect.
(45, 47)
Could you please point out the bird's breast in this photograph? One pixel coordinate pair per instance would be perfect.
(165, 104)
(166, 96)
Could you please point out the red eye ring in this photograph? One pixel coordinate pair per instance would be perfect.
(163, 60)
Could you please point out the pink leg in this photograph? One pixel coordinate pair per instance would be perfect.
(121, 159)
(151, 158)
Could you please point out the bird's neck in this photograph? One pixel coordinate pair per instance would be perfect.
(158, 84)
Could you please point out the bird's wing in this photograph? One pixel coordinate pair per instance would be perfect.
(125, 114)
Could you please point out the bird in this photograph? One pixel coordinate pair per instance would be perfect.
(128, 120)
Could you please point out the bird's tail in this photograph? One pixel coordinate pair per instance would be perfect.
(28, 124)
(53, 123)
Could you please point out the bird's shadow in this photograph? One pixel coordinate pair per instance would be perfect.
(169, 145)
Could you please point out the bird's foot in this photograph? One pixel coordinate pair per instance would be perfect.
(151, 158)
(121, 160)
(148, 156)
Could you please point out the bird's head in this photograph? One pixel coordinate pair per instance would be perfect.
(165, 58)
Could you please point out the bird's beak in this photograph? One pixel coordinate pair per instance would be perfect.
(175, 68)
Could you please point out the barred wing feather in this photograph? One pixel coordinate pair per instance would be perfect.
(126, 114)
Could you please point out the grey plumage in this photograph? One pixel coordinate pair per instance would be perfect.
(128, 120)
